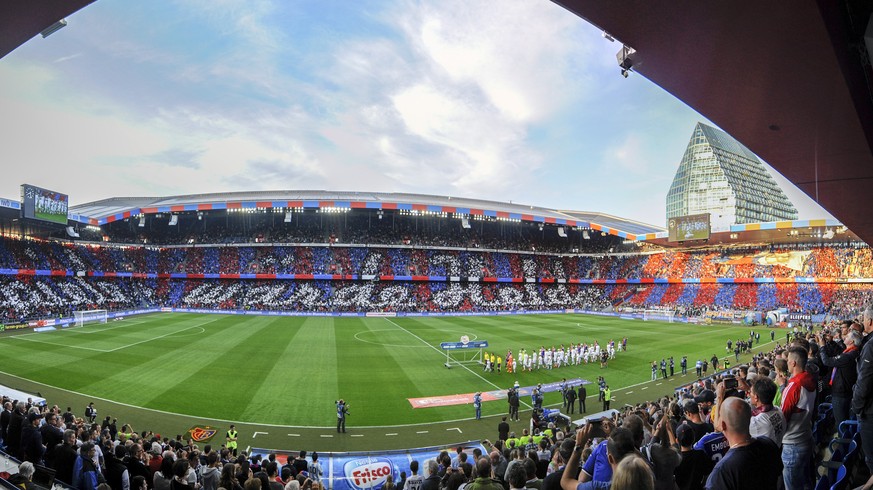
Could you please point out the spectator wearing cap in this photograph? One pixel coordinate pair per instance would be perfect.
(694, 467)
(32, 448)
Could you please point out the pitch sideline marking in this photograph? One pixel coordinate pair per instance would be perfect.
(165, 412)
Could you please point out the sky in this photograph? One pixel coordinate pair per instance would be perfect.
(516, 100)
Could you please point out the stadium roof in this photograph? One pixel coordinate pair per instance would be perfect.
(791, 81)
(112, 209)
(21, 20)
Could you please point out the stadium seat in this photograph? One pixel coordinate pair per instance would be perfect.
(824, 483)
(848, 428)
(842, 481)
(842, 456)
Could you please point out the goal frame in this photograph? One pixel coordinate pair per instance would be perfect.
(81, 317)
(467, 356)
(656, 314)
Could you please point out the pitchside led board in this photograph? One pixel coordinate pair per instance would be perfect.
(44, 205)
(691, 227)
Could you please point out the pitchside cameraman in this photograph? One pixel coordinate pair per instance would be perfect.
(342, 410)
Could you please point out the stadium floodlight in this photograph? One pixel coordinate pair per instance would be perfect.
(626, 59)
(561, 232)
(173, 220)
(585, 235)
(53, 28)
(142, 221)
(289, 216)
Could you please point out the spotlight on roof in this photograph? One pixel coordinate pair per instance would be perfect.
(53, 28)
(626, 59)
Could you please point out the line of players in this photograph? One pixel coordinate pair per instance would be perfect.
(50, 204)
(550, 358)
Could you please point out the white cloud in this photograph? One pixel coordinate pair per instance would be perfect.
(442, 101)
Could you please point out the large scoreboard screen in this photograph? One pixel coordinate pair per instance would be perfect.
(45, 205)
(692, 227)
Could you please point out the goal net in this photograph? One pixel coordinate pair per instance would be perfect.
(663, 315)
(464, 352)
(89, 316)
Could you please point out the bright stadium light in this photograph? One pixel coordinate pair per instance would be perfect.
(53, 28)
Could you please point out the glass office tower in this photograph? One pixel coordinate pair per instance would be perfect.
(720, 176)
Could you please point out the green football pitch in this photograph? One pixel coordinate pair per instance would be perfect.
(288, 371)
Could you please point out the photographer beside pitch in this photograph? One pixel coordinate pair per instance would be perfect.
(342, 410)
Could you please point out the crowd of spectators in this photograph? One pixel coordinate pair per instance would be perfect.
(844, 263)
(91, 455)
(39, 297)
(26, 296)
(754, 426)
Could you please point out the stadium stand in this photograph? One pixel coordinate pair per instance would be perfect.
(380, 268)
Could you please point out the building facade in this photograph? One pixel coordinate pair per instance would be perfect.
(720, 176)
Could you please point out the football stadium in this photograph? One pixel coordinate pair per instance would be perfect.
(326, 339)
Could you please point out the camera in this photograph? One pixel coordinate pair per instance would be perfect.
(730, 382)
(596, 428)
